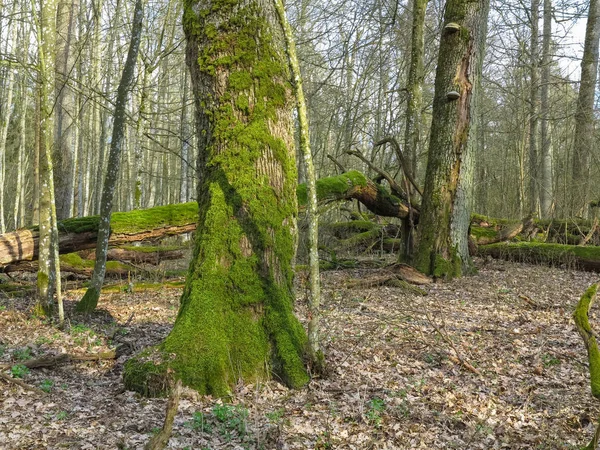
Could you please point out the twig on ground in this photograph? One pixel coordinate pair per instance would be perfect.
(21, 383)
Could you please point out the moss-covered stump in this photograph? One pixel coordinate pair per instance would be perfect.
(572, 256)
(236, 321)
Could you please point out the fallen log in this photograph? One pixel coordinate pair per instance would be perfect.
(81, 233)
(137, 255)
(571, 256)
(62, 358)
(139, 225)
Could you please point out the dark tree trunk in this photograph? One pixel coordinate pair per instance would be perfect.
(445, 214)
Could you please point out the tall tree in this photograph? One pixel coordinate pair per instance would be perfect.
(584, 116)
(414, 105)
(236, 311)
(534, 106)
(445, 215)
(545, 186)
(90, 299)
(48, 277)
(316, 354)
(64, 149)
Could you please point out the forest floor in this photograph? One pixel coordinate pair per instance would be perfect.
(396, 380)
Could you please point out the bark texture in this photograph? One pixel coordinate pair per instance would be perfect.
(584, 116)
(445, 213)
(236, 318)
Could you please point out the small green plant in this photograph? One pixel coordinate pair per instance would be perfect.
(550, 360)
(199, 422)
(22, 354)
(324, 441)
(62, 415)
(43, 340)
(46, 385)
(276, 415)
(2, 308)
(376, 407)
(19, 371)
(155, 430)
(2, 349)
(232, 418)
(81, 329)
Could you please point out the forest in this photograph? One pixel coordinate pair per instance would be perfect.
(270, 224)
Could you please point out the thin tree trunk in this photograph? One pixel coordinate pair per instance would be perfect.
(534, 99)
(546, 191)
(90, 299)
(584, 116)
(314, 302)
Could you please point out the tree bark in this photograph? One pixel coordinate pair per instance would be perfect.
(236, 318)
(445, 213)
(534, 107)
(546, 190)
(584, 116)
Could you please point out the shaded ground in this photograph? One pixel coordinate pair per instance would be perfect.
(396, 380)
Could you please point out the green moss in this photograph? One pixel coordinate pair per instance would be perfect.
(136, 221)
(553, 254)
(331, 187)
(151, 249)
(76, 261)
(583, 325)
(352, 226)
(446, 268)
(483, 232)
(148, 373)
(236, 317)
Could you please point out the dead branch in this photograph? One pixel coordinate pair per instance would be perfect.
(407, 174)
(21, 384)
(62, 358)
(161, 439)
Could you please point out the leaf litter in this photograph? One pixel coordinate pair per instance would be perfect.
(490, 361)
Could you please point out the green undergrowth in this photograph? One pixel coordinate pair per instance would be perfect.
(77, 262)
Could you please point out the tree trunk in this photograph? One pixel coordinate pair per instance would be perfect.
(546, 190)
(314, 302)
(445, 215)
(414, 105)
(64, 148)
(236, 319)
(90, 299)
(48, 277)
(534, 107)
(82, 233)
(584, 116)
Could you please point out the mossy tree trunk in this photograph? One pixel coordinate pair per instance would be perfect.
(445, 213)
(236, 319)
(90, 299)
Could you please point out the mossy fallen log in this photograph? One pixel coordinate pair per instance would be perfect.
(80, 233)
(571, 256)
(134, 226)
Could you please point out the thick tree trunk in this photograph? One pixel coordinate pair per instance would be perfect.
(584, 116)
(445, 213)
(236, 311)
